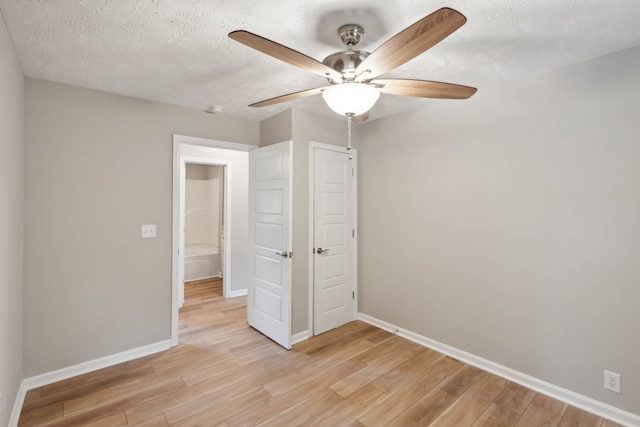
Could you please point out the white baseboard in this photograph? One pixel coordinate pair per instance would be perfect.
(583, 402)
(235, 294)
(79, 369)
(300, 336)
(17, 406)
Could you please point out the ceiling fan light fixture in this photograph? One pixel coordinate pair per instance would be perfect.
(351, 98)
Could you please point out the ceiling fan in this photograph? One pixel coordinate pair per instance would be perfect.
(352, 74)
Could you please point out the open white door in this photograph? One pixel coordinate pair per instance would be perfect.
(334, 239)
(269, 293)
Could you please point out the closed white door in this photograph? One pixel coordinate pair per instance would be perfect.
(334, 239)
(269, 291)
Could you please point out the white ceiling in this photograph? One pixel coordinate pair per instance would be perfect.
(178, 52)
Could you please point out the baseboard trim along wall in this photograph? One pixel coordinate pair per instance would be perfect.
(235, 294)
(583, 402)
(17, 406)
(300, 336)
(79, 369)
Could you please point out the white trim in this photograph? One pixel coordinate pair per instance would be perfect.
(356, 236)
(204, 142)
(79, 369)
(239, 293)
(17, 406)
(175, 241)
(180, 141)
(354, 152)
(94, 365)
(300, 336)
(311, 241)
(580, 401)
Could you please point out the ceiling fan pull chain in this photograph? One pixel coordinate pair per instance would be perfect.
(349, 120)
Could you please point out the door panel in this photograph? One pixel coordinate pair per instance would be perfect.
(335, 267)
(269, 292)
(268, 236)
(335, 234)
(334, 298)
(268, 304)
(269, 201)
(333, 224)
(334, 204)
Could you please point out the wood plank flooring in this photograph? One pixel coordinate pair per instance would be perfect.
(224, 373)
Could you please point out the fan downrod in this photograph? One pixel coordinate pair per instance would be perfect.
(345, 62)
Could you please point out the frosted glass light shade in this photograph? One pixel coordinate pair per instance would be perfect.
(355, 98)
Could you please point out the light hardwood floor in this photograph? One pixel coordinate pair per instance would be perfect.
(224, 373)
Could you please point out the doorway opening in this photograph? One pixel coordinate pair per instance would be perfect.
(203, 220)
(228, 238)
(204, 227)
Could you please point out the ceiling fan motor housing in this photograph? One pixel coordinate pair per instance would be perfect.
(346, 62)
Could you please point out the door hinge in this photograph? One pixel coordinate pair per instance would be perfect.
(353, 294)
(353, 233)
(353, 172)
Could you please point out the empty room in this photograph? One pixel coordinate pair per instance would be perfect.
(357, 213)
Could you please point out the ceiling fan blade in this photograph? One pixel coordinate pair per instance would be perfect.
(288, 97)
(284, 53)
(361, 118)
(424, 88)
(411, 42)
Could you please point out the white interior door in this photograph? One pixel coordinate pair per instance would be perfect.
(334, 239)
(269, 293)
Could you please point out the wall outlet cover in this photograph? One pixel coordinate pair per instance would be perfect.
(612, 381)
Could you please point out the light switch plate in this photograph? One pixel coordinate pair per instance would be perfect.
(148, 230)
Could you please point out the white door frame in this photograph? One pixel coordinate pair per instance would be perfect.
(177, 244)
(312, 146)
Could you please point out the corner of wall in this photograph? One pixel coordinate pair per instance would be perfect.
(276, 129)
(12, 171)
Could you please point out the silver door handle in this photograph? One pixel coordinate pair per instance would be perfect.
(284, 254)
(322, 251)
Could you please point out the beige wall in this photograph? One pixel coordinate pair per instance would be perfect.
(277, 128)
(508, 225)
(204, 172)
(97, 167)
(12, 118)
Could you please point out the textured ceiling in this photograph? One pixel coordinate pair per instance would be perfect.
(178, 52)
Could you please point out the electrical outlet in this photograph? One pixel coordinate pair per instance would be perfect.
(611, 381)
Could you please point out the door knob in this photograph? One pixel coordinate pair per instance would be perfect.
(283, 254)
(322, 251)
